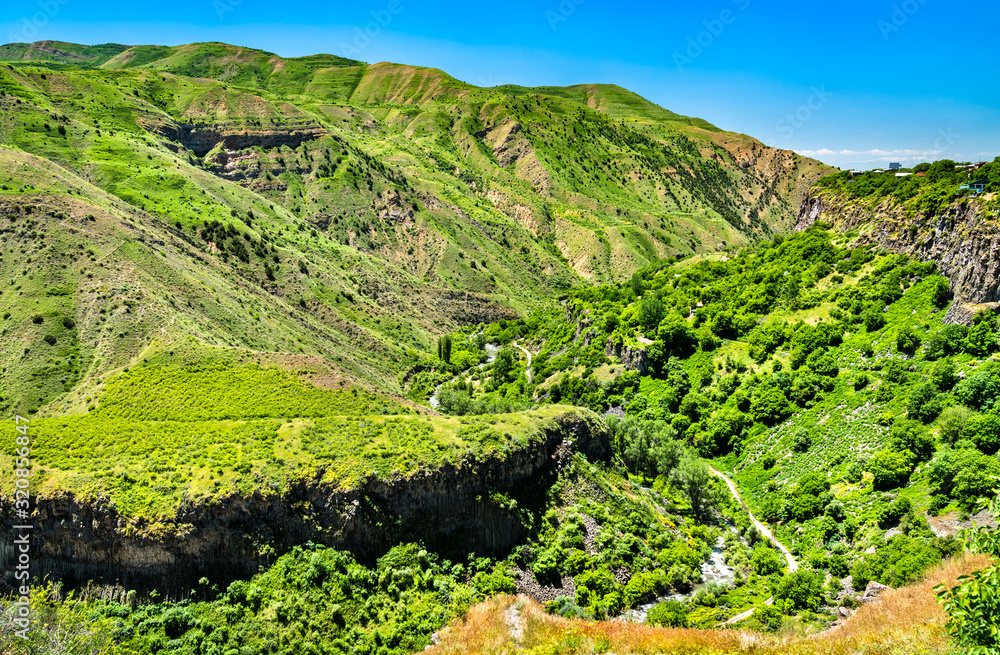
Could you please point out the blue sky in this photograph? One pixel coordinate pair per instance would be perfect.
(854, 84)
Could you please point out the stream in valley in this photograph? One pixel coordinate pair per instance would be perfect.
(713, 570)
(491, 355)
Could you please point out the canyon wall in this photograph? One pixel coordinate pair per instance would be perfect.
(964, 241)
(454, 510)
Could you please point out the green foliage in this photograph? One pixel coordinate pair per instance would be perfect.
(801, 590)
(566, 607)
(444, 348)
(312, 600)
(924, 403)
(984, 431)
(668, 614)
(891, 469)
(899, 562)
(909, 435)
(963, 473)
(952, 422)
(981, 340)
(766, 561)
(980, 389)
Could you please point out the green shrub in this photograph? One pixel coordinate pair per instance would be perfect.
(668, 614)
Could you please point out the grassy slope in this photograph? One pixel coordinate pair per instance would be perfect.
(190, 425)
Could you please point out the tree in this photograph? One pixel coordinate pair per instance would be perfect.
(504, 367)
(801, 441)
(651, 312)
(676, 335)
(907, 434)
(444, 348)
(891, 469)
(907, 340)
(981, 340)
(948, 341)
(874, 319)
(802, 590)
(943, 375)
(984, 431)
(636, 284)
(668, 614)
(924, 403)
(940, 293)
(979, 390)
(952, 422)
(694, 480)
(821, 362)
(766, 561)
(770, 406)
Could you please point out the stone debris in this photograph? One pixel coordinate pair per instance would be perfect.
(872, 592)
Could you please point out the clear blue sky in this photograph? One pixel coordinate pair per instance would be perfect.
(855, 84)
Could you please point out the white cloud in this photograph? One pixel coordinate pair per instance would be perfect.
(879, 157)
(875, 154)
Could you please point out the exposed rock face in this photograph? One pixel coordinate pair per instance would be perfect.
(233, 137)
(633, 359)
(449, 509)
(873, 591)
(964, 241)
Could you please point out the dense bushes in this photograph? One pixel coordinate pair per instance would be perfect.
(318, 600)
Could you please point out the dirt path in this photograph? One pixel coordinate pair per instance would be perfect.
(764, 530)
(525, 351)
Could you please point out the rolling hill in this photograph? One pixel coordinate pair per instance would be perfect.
(319, 206)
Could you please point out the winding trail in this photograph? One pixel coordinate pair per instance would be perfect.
(527, 371)
(793, 566)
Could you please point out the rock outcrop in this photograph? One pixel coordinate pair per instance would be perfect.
(233, 137)
(873, 591)
(964, 242)
(633, 359)
(450, 509)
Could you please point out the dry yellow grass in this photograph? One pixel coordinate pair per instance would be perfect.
(907, 620)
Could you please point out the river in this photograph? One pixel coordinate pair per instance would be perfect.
(491, 355)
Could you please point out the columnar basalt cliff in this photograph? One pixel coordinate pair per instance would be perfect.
(449, 509)
(235, 136)
(963, 240)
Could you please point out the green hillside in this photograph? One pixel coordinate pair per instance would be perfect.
(318, 206)
(274, 320)
(820, 374)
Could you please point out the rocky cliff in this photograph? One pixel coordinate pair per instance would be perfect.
(633, 359)
(233, 137)
(453, 510)
(964, 241)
